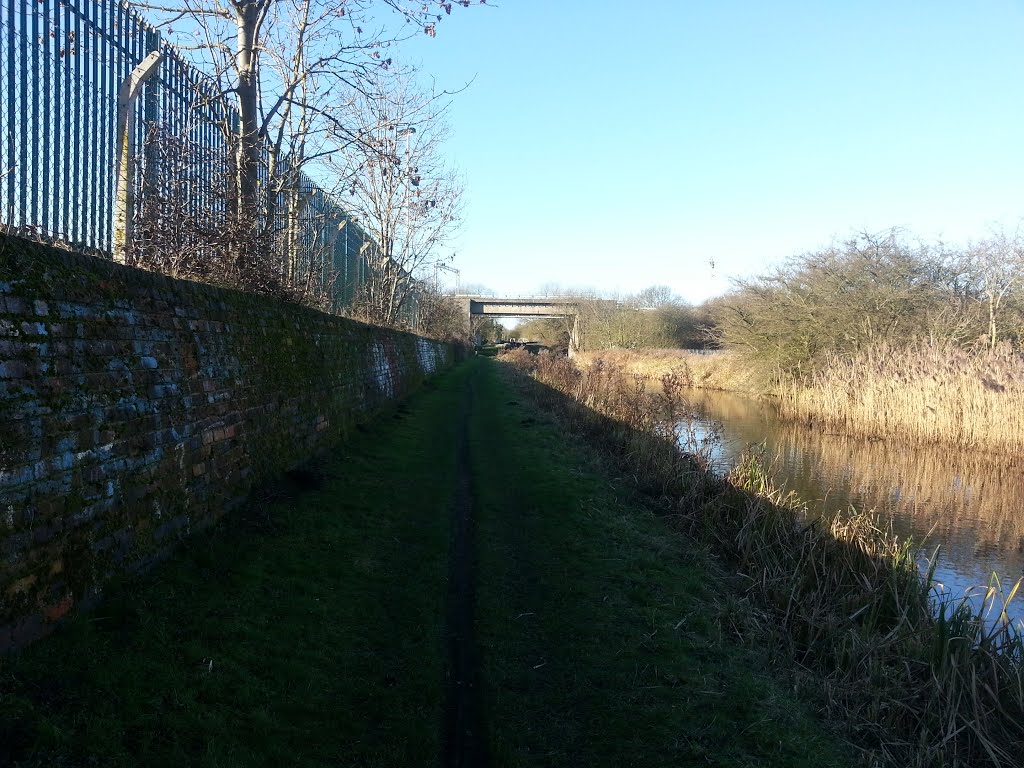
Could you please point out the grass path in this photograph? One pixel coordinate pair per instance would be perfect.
(605, 635)
(311, 630)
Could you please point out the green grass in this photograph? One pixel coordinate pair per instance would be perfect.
(605, 636)
(842, 598)
(309, 630)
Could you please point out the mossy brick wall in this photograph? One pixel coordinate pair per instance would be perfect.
(136, 409)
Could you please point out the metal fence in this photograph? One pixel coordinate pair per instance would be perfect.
(62, 63)
(333, 245)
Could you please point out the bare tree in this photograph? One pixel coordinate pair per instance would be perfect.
(442, 316)
(476, 289)
(286, 67)
(182, 230)
(872, 290)
(399, 189)
(655, 297)
(997, 267)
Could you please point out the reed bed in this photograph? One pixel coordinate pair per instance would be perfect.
(922, 680)
(930, 392)
(721, 370)
(934, 488)
(931, 489)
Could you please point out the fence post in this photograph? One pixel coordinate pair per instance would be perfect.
(334, 247)
(151, 118)
(125, 169)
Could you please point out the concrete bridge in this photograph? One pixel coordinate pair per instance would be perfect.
(547, 306)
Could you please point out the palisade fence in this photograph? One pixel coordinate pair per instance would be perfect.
(62, 63)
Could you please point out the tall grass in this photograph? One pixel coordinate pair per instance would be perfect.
(930, 485)
(618, 406)
(923, 680)
(722, 370)
(930, 680)
(930, 392)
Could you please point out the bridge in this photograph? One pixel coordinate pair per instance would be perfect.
(546, 306)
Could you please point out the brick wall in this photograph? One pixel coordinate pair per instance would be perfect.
(136, 409)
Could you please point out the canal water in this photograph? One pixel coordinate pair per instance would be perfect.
(967, 503)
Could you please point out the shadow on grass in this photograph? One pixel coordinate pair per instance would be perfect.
(607, 636)
(304, 629)
(919, 686)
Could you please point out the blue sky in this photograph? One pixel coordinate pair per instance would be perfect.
(614, 145)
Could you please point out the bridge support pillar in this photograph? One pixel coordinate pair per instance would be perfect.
(574, 337)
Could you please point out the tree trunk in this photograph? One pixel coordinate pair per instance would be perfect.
(993, 308)
(247, 92)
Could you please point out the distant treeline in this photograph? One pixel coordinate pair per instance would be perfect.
(888, 338)
(653, 318)
(873, 291)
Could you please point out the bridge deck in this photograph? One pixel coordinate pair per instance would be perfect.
(521, 307)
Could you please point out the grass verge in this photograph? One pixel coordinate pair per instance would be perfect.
(607, 638)
(304, 631)
(922, 684)
(310, 630)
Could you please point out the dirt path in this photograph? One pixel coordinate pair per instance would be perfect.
(464, 744)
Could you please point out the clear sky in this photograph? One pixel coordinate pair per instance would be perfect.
(615, 145)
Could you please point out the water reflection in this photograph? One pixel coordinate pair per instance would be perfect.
(969, 503)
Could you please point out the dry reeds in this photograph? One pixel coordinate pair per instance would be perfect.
(929, 392)
(711, 369)
(928, 680)
(620, 406)
(967, 499)
(924, 681)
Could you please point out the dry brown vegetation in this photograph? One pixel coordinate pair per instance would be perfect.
(875, 289)
(968, 499)
(929, 392)
(887, 337)
(720, 370)
(920, 683)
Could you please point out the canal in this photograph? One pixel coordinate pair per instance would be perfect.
(969, 504)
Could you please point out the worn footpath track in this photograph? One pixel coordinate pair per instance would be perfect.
(460, 584)
(464, 741)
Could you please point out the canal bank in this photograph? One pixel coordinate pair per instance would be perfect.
(317, 632)
(925, 684)
(961, 507)
(927, 393)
